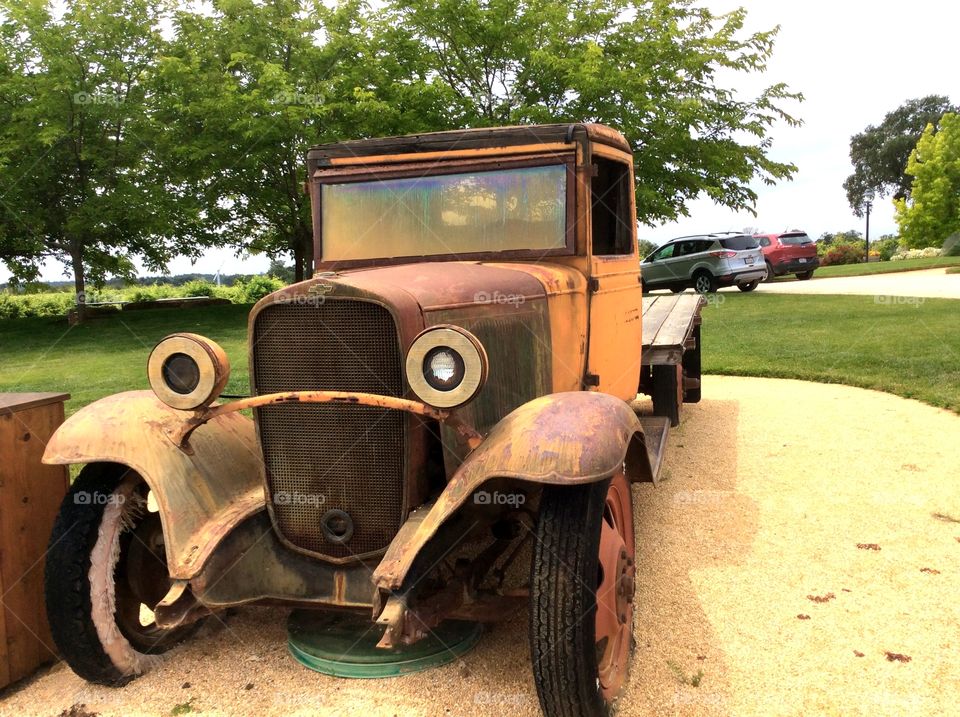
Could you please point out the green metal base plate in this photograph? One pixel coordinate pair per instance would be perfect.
(344, 645)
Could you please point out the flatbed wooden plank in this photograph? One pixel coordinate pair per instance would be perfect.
(668, 324)
(678, 326)
(14, 402)
(656, 309)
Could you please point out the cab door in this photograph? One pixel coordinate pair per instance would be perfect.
(616, 299)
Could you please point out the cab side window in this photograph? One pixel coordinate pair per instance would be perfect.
(610, 204)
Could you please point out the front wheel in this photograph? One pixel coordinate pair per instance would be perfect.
(749, 286)
(106, 568)
(704, 283)
(581, 597)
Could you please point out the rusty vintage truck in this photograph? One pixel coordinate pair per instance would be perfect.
(452, 394)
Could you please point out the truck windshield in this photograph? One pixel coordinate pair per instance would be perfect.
(470, 213)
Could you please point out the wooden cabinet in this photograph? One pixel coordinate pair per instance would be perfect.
(30, 496)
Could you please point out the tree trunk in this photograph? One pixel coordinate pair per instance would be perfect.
(79, 281)
(303, 253)
(297, 262)
(306, 244)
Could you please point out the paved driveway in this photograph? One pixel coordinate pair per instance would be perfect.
(792, 574)
(929, 283)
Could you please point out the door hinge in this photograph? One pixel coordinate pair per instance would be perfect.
(591, 379)
(593, 284)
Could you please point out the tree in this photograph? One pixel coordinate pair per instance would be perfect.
(646, 247)
(650, 68)
(80, 181)
(279, 270)
(250, 86)
(932, 212)
(880, 153)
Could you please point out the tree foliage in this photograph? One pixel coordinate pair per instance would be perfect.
(932, 214)
(117, 144)
(649, 68)
(250, 86)
(880, 153)
(80, 180)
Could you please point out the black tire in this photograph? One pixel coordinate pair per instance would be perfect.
(563, 606)
(67, 584)
(770, 275)
(750, 286)
(805, 275)
(704, 282)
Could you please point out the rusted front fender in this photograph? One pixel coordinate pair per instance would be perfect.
(560, 439)
(203, 492)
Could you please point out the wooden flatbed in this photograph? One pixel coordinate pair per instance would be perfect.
(670, 356)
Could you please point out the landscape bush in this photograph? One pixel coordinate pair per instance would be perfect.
(59, 303)
(927, 253)
(843, 254)
(197, 287)
(885, 247)
(30, 305)
(951, 247)
(255, 288)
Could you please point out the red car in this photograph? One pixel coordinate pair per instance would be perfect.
(789, 253)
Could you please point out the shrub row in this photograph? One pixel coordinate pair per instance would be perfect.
(55, 304)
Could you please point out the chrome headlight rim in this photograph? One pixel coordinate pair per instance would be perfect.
(213, 370)
(465, 346)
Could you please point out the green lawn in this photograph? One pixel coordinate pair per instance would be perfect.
(910, 349)
(884, 267)
(109, 355)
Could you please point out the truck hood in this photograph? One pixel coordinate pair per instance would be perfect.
(438, 286)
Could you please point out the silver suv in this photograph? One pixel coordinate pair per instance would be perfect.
(705, 262)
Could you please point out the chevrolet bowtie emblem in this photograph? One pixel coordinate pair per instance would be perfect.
(320, 289)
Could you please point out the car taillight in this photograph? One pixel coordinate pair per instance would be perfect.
(723, 254)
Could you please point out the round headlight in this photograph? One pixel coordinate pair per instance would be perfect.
(187, 371)
(446, 366)
(443, 368)
(181, 374)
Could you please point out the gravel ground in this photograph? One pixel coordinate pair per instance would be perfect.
(754, 597)
(927, 283)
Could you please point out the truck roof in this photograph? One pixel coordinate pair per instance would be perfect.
(466, 139)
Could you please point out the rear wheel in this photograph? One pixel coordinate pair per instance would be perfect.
(106, 568)
(704, 283)
(750, 286)
(581, 606)
(770, 275)
(805, 275)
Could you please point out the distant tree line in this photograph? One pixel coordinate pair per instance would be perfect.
(134, 129)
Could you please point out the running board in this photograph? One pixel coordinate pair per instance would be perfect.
(655, 430)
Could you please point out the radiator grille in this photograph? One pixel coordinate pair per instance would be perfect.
(331, 456)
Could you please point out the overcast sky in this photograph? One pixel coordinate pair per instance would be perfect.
(854, 61)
